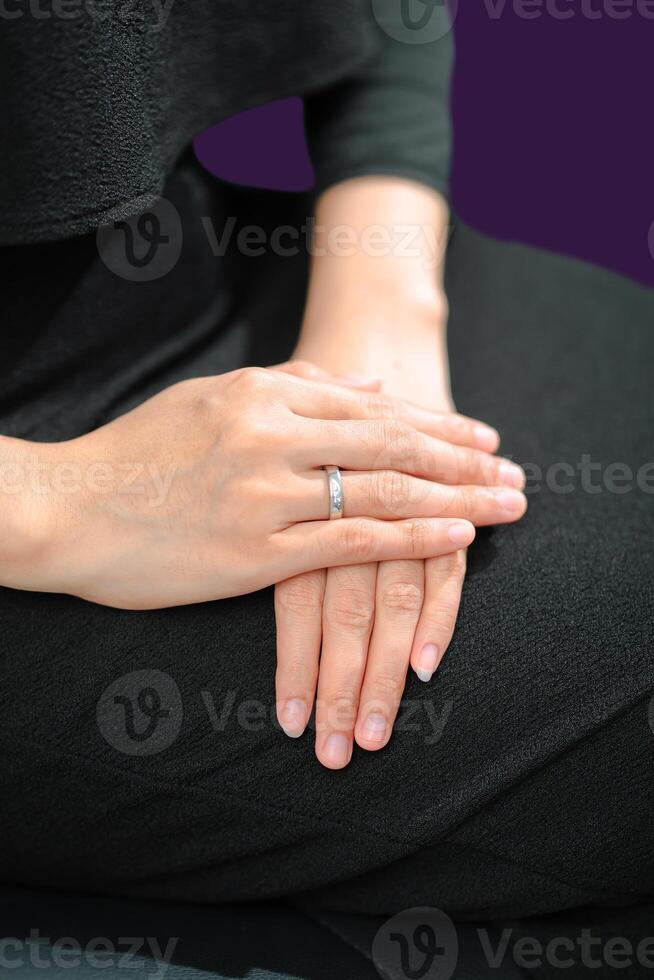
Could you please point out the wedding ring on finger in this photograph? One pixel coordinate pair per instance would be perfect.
(335, 489)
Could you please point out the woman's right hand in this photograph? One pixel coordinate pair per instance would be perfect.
(215, 488)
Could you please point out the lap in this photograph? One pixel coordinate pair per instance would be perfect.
(553, 647)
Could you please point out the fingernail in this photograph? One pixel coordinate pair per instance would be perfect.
(293, 717)
(512, 475)
(374, 728)
(427, 661)
(337, 750)
(512, 501)
(461, 534)
(486, 437)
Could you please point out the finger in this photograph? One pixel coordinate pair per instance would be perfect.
(358, 540)
(443, 583)
(348, 613)
(298, 617)
(396, 445)
(391, 495)
(329, 401)
(311, 372)
(398, 602)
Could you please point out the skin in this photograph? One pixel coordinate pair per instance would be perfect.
(215, 486)
(347, 635)
(230, 496)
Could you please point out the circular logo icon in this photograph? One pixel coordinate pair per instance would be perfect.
(143, 247)
(415, 21)
(417, 944)
(140, 713)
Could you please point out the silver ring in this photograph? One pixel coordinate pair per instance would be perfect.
(335, 488)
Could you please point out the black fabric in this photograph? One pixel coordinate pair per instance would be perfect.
(521, 781)
(99, 104)
(170, 940)
(260, 940)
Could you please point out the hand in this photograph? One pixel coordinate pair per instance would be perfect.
(380, 312)
(214, 487)
(371, 619)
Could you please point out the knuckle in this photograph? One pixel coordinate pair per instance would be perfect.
(393, 490)
(481, 466)
(457, 426)
(379, 406)
(306, 370)
(345, 699)
(374, 434)
(398, 433)
(301, 596)
(450, 567)
(253, 380)
(446, 463)
(352, 610)
(403, 597)
(457, 562)
(417, 531)
(464, 465)
(449, 501)
(466, 501)
(441, 617)
(338, 711)
(405, 443)
(358, 539)
(387, 685)
(301, 366)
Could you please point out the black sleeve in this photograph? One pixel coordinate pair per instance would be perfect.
(393, 116)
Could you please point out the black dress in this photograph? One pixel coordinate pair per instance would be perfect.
(521, 780)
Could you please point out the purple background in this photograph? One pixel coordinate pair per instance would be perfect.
(554, 132)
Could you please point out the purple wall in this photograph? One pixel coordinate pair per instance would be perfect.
(554, 129)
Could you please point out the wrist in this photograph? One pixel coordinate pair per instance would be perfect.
(377, 317)
(31, 522)
(378, 307)
(407, 351)
(379, 244)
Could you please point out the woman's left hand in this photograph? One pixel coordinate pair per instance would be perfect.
(371, 620)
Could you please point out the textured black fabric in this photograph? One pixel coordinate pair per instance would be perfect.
(270, 940)
(521, 781)
(260, 940)
(98, 105)
(601, 943)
